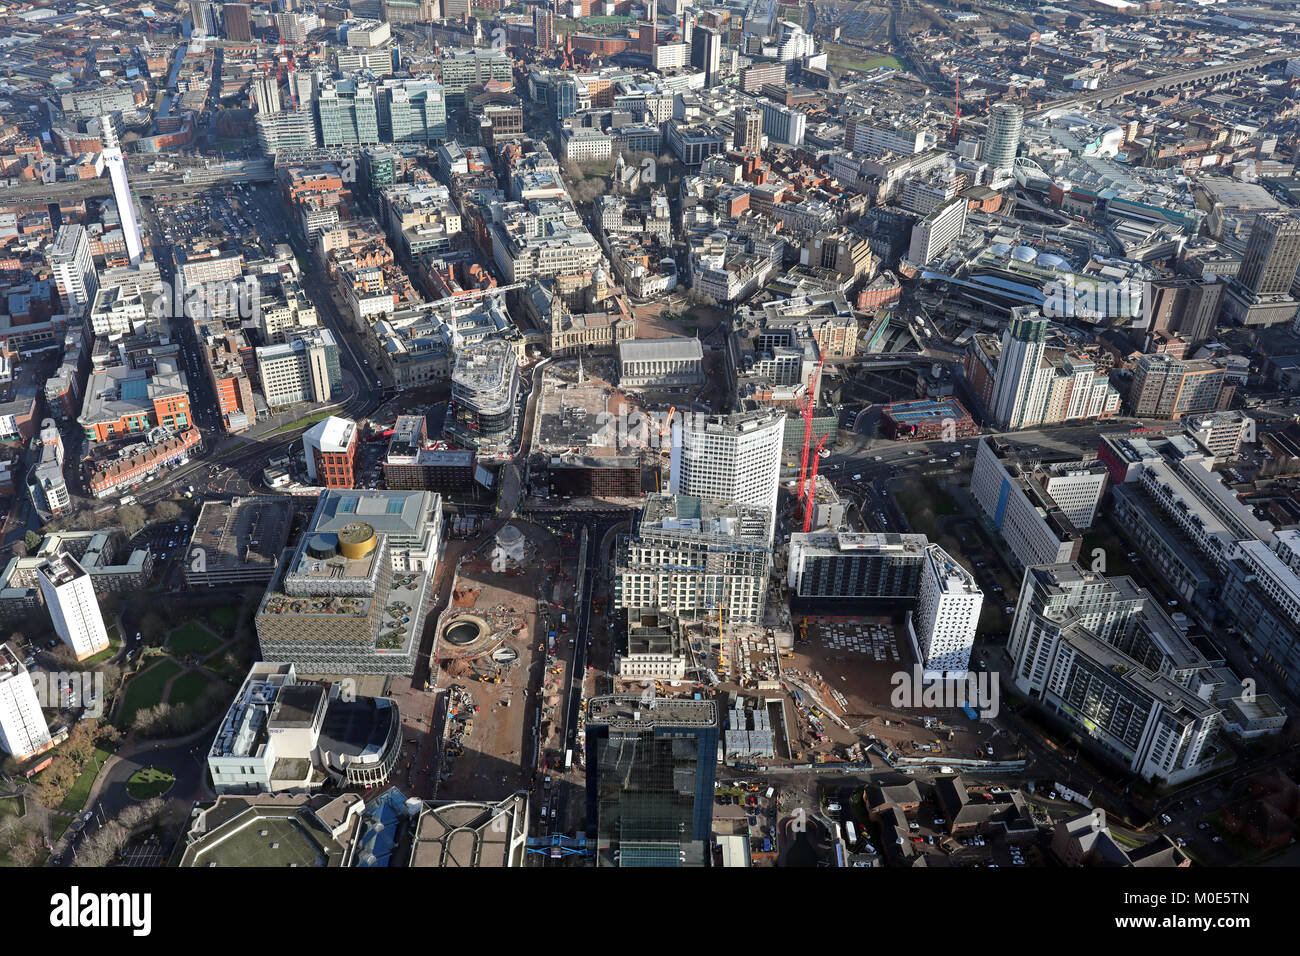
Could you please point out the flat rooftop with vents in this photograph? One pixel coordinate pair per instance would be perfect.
(240, 541)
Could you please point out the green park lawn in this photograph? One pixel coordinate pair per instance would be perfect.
(145, 690)
(76, 798)
(150, 782)
(188, 688)
(192, 638)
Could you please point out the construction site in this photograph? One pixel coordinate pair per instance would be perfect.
(500, 659)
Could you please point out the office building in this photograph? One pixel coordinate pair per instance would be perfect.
(856, 566)
(74, 269)
(1272, 256)
(331, 452)
(706, 53)
(784, 125)
(465, 68)
(353, 597)
(266, 94)
(281, 734)
(286, 130)
(933, 234)
(748, 125)
(70, 597)
(484, 391)
(1002, 138)
(696, 558)
(1038, 509)
(23, 731)
(413, 463)
(1101, 656)
(1220, 432)
(1167, 387)
(650, 773)
(348, 113)
(733, 457)
(1260, 294)
(864, 135)
(1184, 306)
(305, 369)
(412, 111)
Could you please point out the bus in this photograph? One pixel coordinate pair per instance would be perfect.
(850, 833)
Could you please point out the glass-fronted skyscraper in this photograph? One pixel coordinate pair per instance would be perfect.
(650, 773)
(412, 111)
(348, 113)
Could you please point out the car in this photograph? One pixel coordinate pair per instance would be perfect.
(914, 826)
(1216, 839)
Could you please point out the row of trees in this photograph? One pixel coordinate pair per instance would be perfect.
(130, 518)
(168, 720)
(55, 782)
(102, 846)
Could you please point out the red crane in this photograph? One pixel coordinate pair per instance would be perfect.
(806, 409)
(810, 502)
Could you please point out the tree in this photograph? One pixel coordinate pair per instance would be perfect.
(26, 847)
(132, 519)
(166, 512)
(153, 628)
(109, 736)
(33, 540)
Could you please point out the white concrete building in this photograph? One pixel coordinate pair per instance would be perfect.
(729, 457)
(70, 596)
(1017, 499)
(947, 614)
(693, 557)
(73, 268)
(1023, 379)
(937, 231)
(23, 731)
(1071, 643)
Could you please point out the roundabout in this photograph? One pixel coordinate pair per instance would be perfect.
(150, 782)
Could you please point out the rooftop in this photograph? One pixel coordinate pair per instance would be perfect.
(628, 713)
